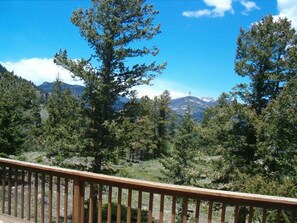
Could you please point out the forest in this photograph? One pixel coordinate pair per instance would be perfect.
(246, 142)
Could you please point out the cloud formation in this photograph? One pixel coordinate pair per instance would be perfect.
(39, 70)
(219, 10)
(220, 7)
(288, 8)
(158, 87)
(249, 6)
(199, 13)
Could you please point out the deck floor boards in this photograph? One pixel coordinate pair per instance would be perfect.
(11, 219)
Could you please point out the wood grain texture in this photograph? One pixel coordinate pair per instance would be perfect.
(3, 190)
(16, 192)
(139, 206)
(185, 210)
(129, 206)
(151, 203)
(119, 205)
(197, 211)
(29, 196)
(91, 203)
(173, 209)
(66, 194)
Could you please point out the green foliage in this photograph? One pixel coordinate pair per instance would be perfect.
(19, 114)
(265, 185)
(267, 55)
(138, 138)
(256, 140)
(214, 125)
(4, 155)
(142, 132)
(39, 159)
(257, 184)
(180, 165)
(230, 127)
(162, 119)
(64, 134)
(278, 134)
(111, 28)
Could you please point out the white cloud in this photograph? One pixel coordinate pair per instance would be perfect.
(176, 89)
(159, 86)
(199, 13)
(220, 7)
(249, 6)
(219, 10)
(39, 70)
(288, 8)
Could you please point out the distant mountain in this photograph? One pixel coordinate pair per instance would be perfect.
(197, 105)
(76, 90)
(2, 69)
(179, 105)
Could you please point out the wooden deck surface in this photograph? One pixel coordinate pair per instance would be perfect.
(10, 219)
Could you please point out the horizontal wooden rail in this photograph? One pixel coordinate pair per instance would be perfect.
(41, 181)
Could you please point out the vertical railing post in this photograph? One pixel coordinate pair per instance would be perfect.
(9, 190)
(185, 210)
(76, 200)
(3, 189)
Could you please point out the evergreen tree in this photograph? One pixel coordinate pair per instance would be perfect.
(231, 131)
(64, 133)
(163, 121)
(111, 28)
(267, 55)
(180, 166)
(139, 138)
(19, 114)
(144, 129)
(277, 135)
(135, 131)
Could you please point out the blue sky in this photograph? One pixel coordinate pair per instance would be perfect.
(198, 40)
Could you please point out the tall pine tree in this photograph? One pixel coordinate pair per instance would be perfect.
(163, 121)
(111, 28)
(267, 55)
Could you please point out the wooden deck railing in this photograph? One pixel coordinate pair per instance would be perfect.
(41, 193)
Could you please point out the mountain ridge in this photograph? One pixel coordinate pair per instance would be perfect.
(75, 89)
(178, 105)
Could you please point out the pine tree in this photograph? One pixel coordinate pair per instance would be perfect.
(135, 131)
(111, 28)
(64, 133)
(163, 121)
(277, 135)
(19, 114)
(180, 166)
(230, 129)
(267, 55)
